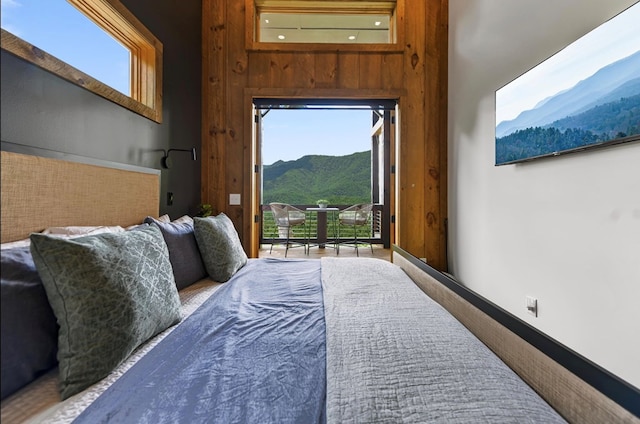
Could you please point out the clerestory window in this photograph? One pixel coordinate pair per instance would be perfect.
(96, 44)
(335, 25)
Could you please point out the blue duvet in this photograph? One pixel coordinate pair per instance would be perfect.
(253, 353)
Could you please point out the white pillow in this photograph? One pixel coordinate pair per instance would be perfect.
(65, 233)
(18, 243)
(81, 230)
(185, 219)
(164, 218)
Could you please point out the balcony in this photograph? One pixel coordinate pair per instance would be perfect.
(373, 234)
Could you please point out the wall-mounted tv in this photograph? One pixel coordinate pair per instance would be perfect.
(584, 96)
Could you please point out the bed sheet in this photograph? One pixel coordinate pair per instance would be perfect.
(253, 353)
(40, 401)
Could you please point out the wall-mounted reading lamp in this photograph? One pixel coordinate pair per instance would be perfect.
(166, 162)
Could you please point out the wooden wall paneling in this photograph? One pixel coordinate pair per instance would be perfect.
(281, 71)
(303, 70)
(238, 154)
(259, 70)
(325, 70)
(370, 70)
(411, 168)
(437, 67)
(391, 71)
(213, 103)
(235, 72)
(348, 70)
(436, 134)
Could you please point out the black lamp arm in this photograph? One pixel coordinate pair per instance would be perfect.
(165, 158)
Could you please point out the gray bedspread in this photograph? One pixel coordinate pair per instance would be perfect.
(257, 352)
(396, 356)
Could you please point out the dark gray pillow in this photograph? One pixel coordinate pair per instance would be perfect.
(220, 246)
(183, 251)
(110, 293)
(29, 329)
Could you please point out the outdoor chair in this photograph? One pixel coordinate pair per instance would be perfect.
(355, 216)
(286, 218)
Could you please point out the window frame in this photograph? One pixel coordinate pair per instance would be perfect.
(145, 49)
(254, 7)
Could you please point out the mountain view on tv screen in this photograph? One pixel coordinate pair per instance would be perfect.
(587, 94)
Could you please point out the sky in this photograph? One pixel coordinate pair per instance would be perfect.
(289, 134)
(71, 37)
(616, 39)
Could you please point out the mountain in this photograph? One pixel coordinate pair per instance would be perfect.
(604, 122)
(586, 94)
(614, 119)
(339, 179)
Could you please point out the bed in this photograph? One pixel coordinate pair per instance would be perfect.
(132, 317)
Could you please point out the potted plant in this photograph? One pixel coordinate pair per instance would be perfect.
(322, 203)
(205, 210)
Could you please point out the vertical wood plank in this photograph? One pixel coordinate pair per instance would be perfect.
(391, 71)
(325, 70)
(281, 69)
(238, 156)
(348, 70)
(259, 69)
(213, 103)
(411, 220)
(436, 134)
(370, 70)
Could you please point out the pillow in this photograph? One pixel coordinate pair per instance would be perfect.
(29, 331)
(13, 244)
(110, 293)
(162, 218)
(183, 252)
(184, 218)
(220, 246)
(64, 232)
(82, 230)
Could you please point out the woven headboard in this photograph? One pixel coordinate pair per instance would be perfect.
(39, 192)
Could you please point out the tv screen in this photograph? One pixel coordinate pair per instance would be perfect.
(586, 95)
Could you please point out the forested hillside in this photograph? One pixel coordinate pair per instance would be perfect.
(338, 179)
(602, 123)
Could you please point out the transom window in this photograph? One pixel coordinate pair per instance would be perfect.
(342, 24)
(324, 28)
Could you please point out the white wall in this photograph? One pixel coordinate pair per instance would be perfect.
(565, 229)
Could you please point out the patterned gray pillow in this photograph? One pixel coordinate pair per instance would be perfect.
(110, 293)
(219, 246)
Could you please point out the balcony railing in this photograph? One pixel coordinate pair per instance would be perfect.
(368, 234)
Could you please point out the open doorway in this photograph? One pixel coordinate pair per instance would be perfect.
(307, 150)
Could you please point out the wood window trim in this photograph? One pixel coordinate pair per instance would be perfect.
(146, 57)
(371, 6)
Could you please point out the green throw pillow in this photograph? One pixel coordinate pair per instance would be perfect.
(219, 246)
(110, 293)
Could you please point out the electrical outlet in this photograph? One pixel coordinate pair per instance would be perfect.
(234, 199)
(169, 198)
(532, 305)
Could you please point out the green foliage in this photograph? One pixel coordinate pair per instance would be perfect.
(343, 180)
(205, 210)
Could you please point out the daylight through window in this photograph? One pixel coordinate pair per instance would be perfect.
(96, 44)
(314, 23)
